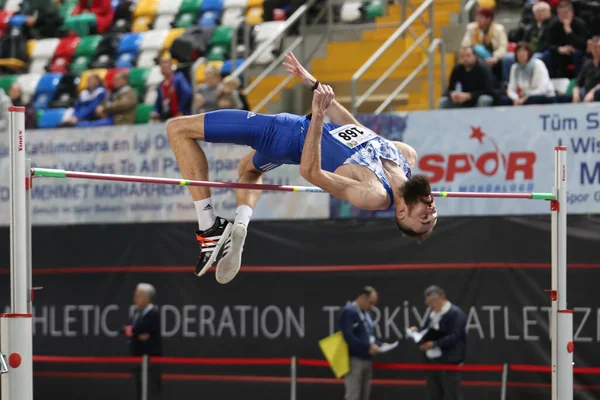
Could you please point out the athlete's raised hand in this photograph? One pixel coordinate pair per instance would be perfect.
(322, 98)
(293, 66)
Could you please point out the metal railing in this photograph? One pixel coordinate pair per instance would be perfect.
(300, 42)
(465, 10)
(436, 44)
(426, 6)
(145, 362)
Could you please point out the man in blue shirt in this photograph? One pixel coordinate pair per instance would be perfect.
(357, 327)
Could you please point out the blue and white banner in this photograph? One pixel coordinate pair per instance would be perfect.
(139, 150)
(503, 149)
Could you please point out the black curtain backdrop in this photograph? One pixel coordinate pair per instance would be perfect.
(280, 305)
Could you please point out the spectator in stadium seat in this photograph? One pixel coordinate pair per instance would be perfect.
(119, 108)
(587, 86)
(529, 81)
(231, 85)
(43, 19)
(471, 83)
(16, 97)
(4, 104)
(567, 39)
(488, 39)
(174, 94)
(446, 324)
(536, 33)
(89, 99)
(206, 93)
(226, 101)
(144, 337)
(101, 8)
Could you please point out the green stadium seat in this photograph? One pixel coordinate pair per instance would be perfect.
(375, 9)
(138, 77)
(7, 80)
(222, 36)
(190, 6)
(87, 45)
(66, 9)
(38, 116)
(80, 64)
(80, 24)
(185, 20)
(217, 53)
(142, 115)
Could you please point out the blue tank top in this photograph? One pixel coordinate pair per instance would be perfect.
(370, 153)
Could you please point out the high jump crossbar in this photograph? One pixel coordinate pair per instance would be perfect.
(60, 173)
(16, 337)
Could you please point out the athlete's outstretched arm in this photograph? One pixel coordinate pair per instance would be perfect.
(361, 195)
(338, 114)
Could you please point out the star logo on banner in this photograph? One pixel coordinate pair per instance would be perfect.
(477, 133)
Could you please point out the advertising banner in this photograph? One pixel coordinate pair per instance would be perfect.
(139, 150)
(291, 287)
(501, 149)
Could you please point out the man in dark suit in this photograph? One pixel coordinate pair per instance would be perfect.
(358, 329)
(447, 323)
(144, 335)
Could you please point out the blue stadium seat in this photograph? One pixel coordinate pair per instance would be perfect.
(17, 21)
(130, 43)
(212, 5)
(51, 118)
(46, 90)
(209, 19)
(227, 66)
(125, 60)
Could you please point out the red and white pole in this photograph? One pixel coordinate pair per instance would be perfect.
(16, 338)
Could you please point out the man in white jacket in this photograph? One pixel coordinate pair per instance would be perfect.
(529, 81)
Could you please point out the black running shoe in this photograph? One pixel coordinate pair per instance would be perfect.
(211, 241)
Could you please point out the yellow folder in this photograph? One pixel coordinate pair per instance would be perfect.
(335, 350)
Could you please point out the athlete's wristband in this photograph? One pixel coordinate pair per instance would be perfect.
(315, 86)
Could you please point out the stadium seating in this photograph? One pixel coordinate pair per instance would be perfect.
(12, 6)
(46, 90)
(51, 118)
(6, 81)
(150, 47)
(28, 83)
(42, 54)
(101, 72)
(109, 78)
(64, 54)
(66, 92)
(106, 52)
(140, 35)
(129, 47)
(166, 13)
(83, 53)
(137, 79)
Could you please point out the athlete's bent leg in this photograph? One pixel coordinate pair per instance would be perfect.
(229, 265)
(184, 132)
(213, 231)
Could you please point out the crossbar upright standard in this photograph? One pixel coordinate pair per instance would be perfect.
(16, 340)
(16, 329)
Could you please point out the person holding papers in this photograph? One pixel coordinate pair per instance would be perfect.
(443, 339)
(357, 327)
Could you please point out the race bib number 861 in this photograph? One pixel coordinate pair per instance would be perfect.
(351, 135)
